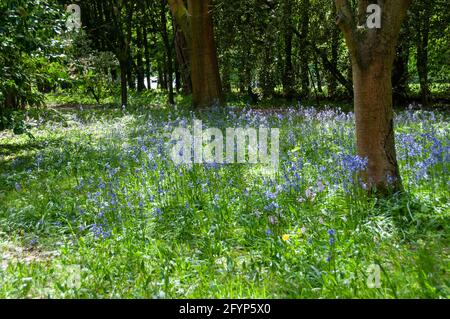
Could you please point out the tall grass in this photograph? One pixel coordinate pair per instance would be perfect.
(96, 193)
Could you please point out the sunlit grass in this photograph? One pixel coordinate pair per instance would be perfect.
(96, 191)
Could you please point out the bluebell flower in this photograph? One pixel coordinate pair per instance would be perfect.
(157, 212)
(270, 195)
(354, 164)
(100, 231)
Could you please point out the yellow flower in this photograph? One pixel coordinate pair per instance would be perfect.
(286, 237)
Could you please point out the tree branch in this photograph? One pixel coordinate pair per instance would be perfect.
(181, 15)
(345, 22)
(395, 13)
(328, 65)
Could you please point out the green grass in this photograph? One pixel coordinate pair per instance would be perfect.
(93, 207)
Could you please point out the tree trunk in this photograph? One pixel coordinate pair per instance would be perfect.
(168, 48)
(266, 77)
(374, 122)
(139, 60)
(423, 31)
(148, 69)
(162, 85)
(318, 74)
(197, 25)
(288, 76)
(129, 36)
(123, 82)
(372, 53)
(332, 85)
(11, 99)
(182, 51)
(206, 83)
(177, 77)
(130, 76)
(331, 66)
(304, 54)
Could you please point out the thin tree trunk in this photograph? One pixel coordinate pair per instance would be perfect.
(130, 76)
(168, 48)
(288, 76)
(423, 31)
(182, 51)
(123, 82)
(11, 99)
(148, 69)
(304, 54)
(177, 77)
(139, 60)
(318, 75)
(162, 84)
(332, 85)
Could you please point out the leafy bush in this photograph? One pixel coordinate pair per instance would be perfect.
(23, 42)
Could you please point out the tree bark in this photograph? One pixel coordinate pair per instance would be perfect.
(288, 76)
(123, 82)
(423, 31)
(183, 59)
(332, 85)
(304, 54)
(372, 53)
(197, 25)
(121, 45)
(318, 74)
(374, 122)
(168, 48)
(130, 76)
(148, 69)
(139, 60)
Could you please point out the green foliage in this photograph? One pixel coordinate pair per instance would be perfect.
(89, 69)
(14, 120)
(28, 31)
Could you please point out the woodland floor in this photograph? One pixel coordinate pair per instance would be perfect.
(91, 206)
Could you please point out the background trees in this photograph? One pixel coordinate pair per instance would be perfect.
(265, 49)
(27, 49)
